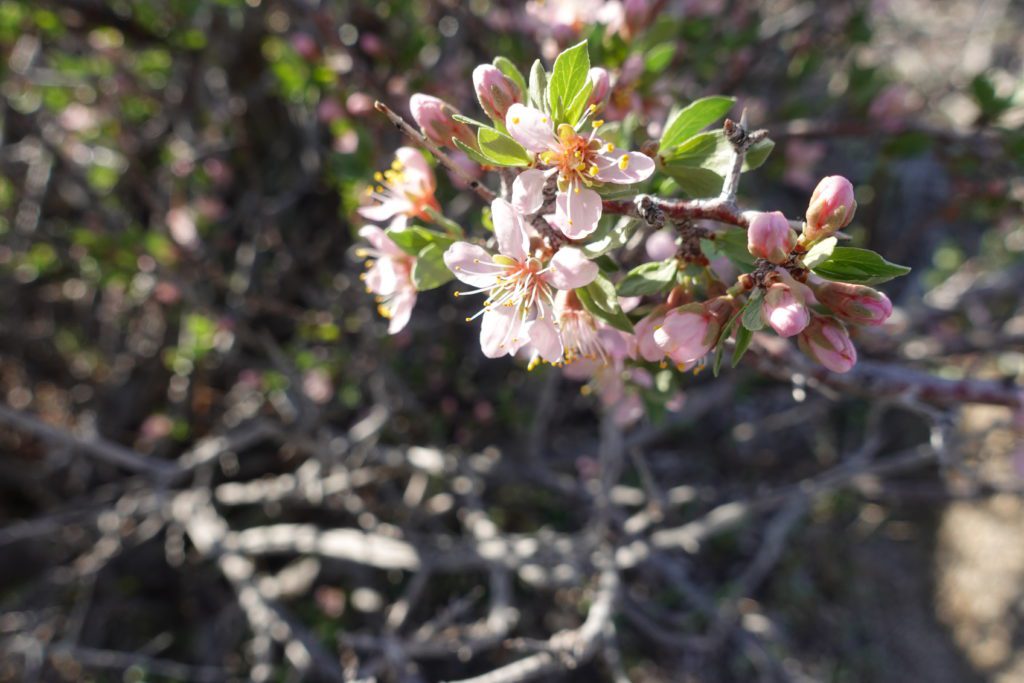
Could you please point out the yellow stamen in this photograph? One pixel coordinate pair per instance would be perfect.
(624, 162)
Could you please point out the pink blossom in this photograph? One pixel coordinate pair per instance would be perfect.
(389, 276)
(580, 163)
(495, 91)
(831, 209)
(434, 117)
(769, 236)
(687, 333)
(520, 288)
(857, 304)
(644, 344)
(405, 190)
(784, 311)
(827, 341)
(602, 86)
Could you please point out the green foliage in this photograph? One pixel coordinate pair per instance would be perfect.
(429, 271)
(600, 300)
(500, 149)
(569, 87)
(859, 266)
(649, 278)
(692, 119)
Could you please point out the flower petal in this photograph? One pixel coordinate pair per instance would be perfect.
(545, 338)
(625, 168)
(384, 210)
(577, 211)
(379, 240)
(384, 277)
(528, 191)
(418, 175)
(570, 269)
(509, 230)
(471, 264)
(401, 310)
(530, 127)
(502, 332)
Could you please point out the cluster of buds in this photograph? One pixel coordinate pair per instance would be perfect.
(546, 299)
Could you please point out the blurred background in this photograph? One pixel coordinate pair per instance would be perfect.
(216, 465)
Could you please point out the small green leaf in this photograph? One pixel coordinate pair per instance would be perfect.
(429, 271)
(659, 57)
(714, 152)
(538, 87)
(501, 149)
(569, 75)
(473, 154)
(733, 244)
(608, 237)
(694, 118)
(859, 266)
(649, 278)
(743, 338)
(472, 122)
(819, 252)
(600, 301)
(722, 337)
(695, 182)
(506, 67)
(752, 319)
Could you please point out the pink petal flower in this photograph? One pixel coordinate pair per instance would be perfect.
(643, 333)
(418, 173)
(379, 240)
(528, 191)
(687, 334)
(570, 269)
(784, 312)
(545, 338)
(624, 168)
(509, 230)
(501, 331)
(531, 128)
(577, 211)
(401, 310)
(470, 264)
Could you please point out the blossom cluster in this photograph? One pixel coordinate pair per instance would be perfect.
(551, 272)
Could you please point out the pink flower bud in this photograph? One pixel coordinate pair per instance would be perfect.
(688, 333)
(661, 245)
(856, 304)
(637, 14)
(769, 236)
(434, 117)
(783, 311)
(602, 86)
(495, 91)
(832, 207)
(827, 341)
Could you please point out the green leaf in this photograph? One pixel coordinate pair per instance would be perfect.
(413, 238)
(725, 334)
(538, 87)
(743, 338)
(694, 118)
(600, 301)
(429, 271)
(506, 67)
(733, 245)
(752, 319)
(859, 266)
(714, 152)
(659, 57)
(608, 237)
(819, 252)
(695, 182)
(472, 153)
(569, 76)
(649, 278)
(501, 149)
(473, 122)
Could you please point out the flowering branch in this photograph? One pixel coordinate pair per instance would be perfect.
(716, 209)
(485, 192)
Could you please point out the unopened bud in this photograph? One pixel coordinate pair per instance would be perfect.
(783, 311)
(495, 91)
(827, 341)
(831, 209)
(856, 304)
(687, 333)
(602, 86)
(769, 236)
(434, 117)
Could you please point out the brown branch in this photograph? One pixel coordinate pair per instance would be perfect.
(682, 209)
(482, 190)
